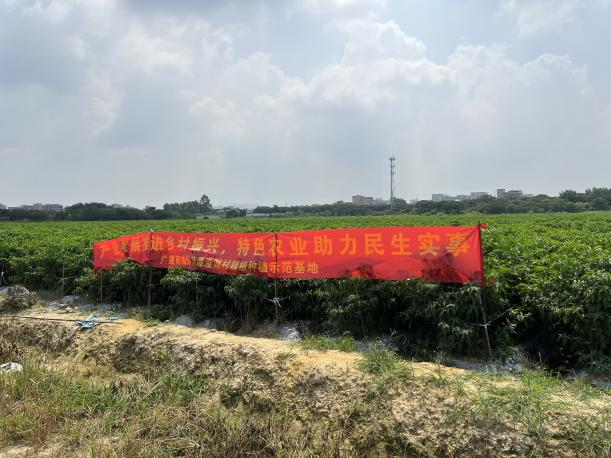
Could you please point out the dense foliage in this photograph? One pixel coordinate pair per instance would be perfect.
(552, 293)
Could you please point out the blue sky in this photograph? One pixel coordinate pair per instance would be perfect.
(145, 102)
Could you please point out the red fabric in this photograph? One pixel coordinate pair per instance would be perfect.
(451, 254)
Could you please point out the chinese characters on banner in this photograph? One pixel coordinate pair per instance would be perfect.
(451, 254)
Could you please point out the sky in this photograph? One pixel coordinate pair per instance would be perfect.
(142, 102)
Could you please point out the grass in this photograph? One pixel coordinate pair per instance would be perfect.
(325, 343)
(145, 318)
(167, 413)
(285, 356)
(151, 322)
(388, 369)
(539, 404)
(380, 360)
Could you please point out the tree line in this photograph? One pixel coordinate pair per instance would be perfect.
(570, 201)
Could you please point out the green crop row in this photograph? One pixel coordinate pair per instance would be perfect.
(552, 294)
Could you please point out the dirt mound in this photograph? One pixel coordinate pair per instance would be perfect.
(257, 369)
(18, 297)
(425, 413)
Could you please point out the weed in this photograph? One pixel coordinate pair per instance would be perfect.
(440, 379)
(285, 356)
(386, 367)
(590, 436)
(380, 360)
(150, 322)
(325, 343)
(173, 414)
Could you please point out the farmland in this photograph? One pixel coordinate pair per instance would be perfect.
(552, 293)
(140, 387)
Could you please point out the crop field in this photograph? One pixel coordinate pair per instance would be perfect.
(552, 293)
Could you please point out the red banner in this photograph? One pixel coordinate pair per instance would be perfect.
(451, 254)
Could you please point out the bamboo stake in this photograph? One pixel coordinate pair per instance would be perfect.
(101, 287)
(483, 291)
(486, 323)
(196, 288)
(61, 281)
(276, 299)
(150, 286)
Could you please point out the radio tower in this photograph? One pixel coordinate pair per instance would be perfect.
(392, 160)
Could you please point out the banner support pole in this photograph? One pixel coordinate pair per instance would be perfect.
(61, 282)
(101, 286)
(148, 261)
(276, 299)
(148, 301)
(482, 291)
(197, 288)
(485, 325)
(2, 280)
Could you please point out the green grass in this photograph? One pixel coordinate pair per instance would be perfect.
(537, 403)
(388, 369)
(164, 414)
(325, 343)
(380, 360)
(173, 414)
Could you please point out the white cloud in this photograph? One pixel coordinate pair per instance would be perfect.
(143, 51)
(102, 102)
(166, 108)
(536, 16)
(370, 40)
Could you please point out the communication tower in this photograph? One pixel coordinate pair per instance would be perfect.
(392, 160)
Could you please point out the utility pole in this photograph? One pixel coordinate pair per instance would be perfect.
(392, 160)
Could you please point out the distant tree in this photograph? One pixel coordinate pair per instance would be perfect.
(205, 203)
(400, 204)
(570, 195)
(599, 203)
(594, 193)
(235, 213)
(95, 211)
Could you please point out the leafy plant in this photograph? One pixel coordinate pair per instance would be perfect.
(552, 293)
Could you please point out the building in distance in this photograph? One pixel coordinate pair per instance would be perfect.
(513, 194)
(365, 200)
(478, 194)
(362, 200)
(459, 197)
(41, 207)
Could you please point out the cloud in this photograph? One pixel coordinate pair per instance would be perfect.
(370, 40)
(160, 108)
(537, 16)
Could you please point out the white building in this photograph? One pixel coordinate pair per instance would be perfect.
(362, 200)
(513, 194)
(478, 194)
